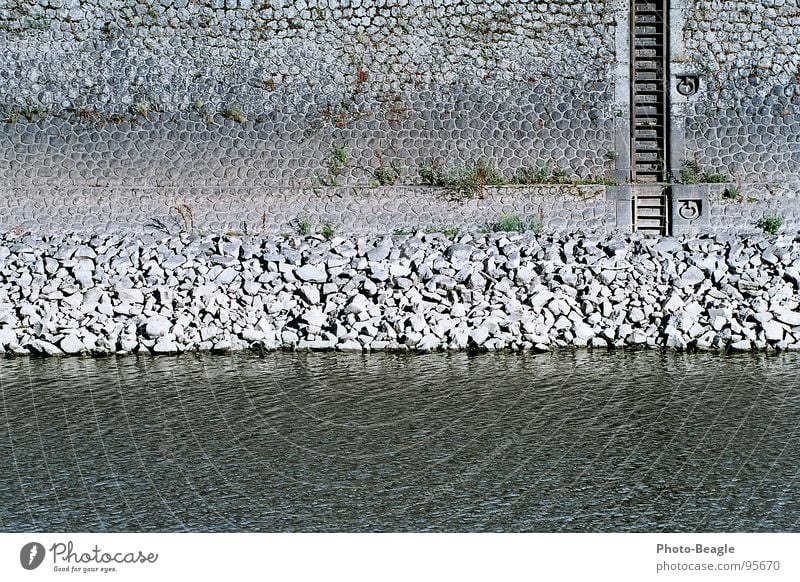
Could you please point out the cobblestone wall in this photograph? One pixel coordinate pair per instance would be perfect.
(755, 202)
(301, 93)
(745, 122)
(259, 211)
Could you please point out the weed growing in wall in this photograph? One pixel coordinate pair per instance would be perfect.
(692, 173)
(771, 223)
(234, 114)
(467, 181)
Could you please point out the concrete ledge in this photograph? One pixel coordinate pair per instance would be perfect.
(262, 211)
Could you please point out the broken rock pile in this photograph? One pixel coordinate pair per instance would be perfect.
(116, 293)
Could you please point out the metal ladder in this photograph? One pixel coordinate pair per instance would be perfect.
(649, 123)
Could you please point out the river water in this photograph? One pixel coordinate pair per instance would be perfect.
(573, 441)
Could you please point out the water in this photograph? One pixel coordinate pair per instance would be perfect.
(575, 441)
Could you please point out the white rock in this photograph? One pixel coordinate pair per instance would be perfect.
(674, 303)
(7, 336)
(636, 315)
(131, 296)
(429, 342)
(479, 335)
(316, 344)
(773, 330)
(157, 326)
(741, 346)
(252, 335)
(379, 253)
(787, 316)
(226, 277)
(71, 344)
(541, 298)
(165, 345)
(398, 270)
(42, 346)
(222, 346)
(582, 331)
(315, 317)
(357, 304)
(349, 346)
(310, 293)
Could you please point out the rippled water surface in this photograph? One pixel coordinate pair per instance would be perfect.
(575, 441)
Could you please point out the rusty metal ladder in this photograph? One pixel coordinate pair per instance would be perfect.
(649, 119)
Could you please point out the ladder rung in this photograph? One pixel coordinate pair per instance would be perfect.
(648, 167)
(649, 223)
(647, 145)
(646, 134)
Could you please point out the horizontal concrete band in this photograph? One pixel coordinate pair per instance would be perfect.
(261, 211)
(383, 210)
(107, 294)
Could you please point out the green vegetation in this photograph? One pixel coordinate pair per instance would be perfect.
(509, 222)
(234, 114)
(328, 230)
(33, 112)
(512, 222)
(470, 180)
(692, 173)
(336, 163)
(448, 231)
(384, 176)
(29, 112)
(771, 223)
(142, 108)
(732, 193)
(467, 180)
(304, 226)
(543, 175)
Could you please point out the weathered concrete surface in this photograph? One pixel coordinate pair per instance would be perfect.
(262, 211)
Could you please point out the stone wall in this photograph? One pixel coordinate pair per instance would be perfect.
(301, 93)
(241, 107)
(258, 211)
(745, 121)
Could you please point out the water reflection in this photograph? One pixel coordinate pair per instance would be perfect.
(574, 441)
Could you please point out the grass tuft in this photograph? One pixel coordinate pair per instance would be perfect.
(771, 223)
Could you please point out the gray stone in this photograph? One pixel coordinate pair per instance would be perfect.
(459, 253)
(311, 273)
(379, 253)
(130, 295)
(691, 277)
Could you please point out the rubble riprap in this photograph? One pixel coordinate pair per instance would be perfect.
(120, 293)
